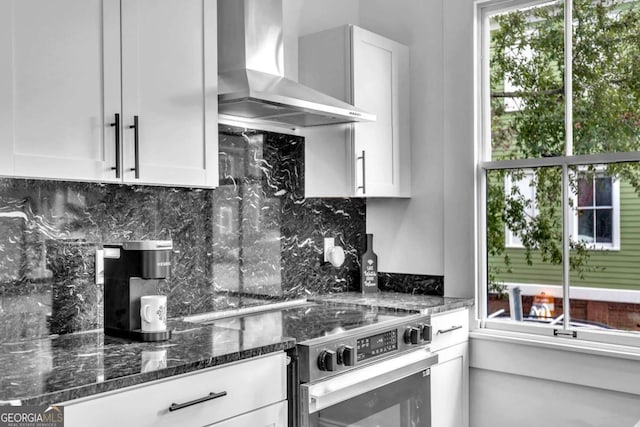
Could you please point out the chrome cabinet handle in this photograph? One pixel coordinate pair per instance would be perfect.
(364, 175)
(136, 145)
(210, 396)
(116, 124)
(451, 329)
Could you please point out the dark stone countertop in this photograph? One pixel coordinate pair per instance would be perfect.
(69, 366)
(425, 304)
(64, 367)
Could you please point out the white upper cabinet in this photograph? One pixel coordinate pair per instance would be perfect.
(72, 69)
(51, 89)
(372, 73)
(169, 82)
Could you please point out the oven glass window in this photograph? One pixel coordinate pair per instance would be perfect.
(405, 402)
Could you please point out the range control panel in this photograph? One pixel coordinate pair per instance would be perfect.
(377, 345)
(327, 356)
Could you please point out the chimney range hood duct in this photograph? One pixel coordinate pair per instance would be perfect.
(251, 82)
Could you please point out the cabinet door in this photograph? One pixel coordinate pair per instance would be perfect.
(325, 65)
(380, 86)
(169, 81)
(52, 123)
(449, 388)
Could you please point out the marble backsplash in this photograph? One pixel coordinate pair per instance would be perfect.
(254, 237)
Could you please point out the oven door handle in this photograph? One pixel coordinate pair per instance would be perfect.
(323, 394)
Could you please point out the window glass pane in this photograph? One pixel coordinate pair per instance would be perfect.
(585, 192)
(604, 225)
(526, 82)
(594, 198)
(606, 82)
(585, 225)
(604, 279)
(603, 191)
(526, 205)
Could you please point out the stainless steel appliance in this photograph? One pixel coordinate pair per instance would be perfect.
(133, 269)
(373, 375)
(353, 365)
(251, 82)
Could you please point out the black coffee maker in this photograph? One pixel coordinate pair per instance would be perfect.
(133, 269)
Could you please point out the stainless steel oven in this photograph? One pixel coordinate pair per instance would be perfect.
(378, 375)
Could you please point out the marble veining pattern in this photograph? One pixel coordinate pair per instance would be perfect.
(254, 240)
(255, 236)
(70, 366)
(426, 304)
(411, 283)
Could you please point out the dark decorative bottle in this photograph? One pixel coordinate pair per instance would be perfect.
(369, 269)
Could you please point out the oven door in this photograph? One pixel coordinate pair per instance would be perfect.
(389, 392)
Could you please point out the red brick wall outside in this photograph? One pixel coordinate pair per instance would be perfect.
(617, 315)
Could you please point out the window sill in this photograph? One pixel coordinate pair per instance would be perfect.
(589, 364)
(558, 343)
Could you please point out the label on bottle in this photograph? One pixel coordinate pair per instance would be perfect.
(369, 275)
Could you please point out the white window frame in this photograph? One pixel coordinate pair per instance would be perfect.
(567, 161)
(615, 206)
(511, 240)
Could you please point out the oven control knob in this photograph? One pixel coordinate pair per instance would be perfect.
(425, 332)
(327, 360)
(346, 355)
(411, 335)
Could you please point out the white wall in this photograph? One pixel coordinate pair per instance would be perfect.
(459, 154)
(433, 233)
(302, 17)
(504, 400)
(514, 382)
(409, 234)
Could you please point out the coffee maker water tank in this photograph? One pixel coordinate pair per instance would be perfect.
(155, 257)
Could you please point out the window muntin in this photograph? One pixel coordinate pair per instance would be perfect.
(596, 211)
(583, 275)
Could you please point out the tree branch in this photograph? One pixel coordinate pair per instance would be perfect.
(525, 94)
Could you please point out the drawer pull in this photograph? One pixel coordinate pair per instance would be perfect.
(211, 396)
(451, 329)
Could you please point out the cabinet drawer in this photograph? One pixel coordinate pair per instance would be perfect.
(449, 329)
(271, 416)
(249, 385)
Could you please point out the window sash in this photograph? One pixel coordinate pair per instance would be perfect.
(566, 161)
(614, 207)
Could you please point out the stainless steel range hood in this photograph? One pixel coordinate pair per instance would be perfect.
(251, 82)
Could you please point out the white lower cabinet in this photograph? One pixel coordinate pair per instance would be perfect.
(271, 416)
(252, 393)
(449, 387)
(450, 377)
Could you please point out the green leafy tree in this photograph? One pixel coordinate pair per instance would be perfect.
(527, 49)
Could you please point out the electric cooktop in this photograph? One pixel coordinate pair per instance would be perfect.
(304, 320)
(332, 337)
